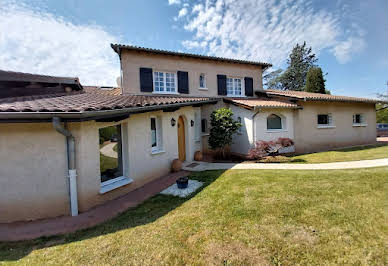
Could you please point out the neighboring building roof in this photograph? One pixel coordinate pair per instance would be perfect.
(261, 102)
(118, 47)
(103, 90)
(27, 77)
(309, 96)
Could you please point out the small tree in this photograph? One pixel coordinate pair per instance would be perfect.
(223, 126)
(315, 81)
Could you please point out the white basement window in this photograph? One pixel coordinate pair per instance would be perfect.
(274, 122)
(165, 82)
(325, 121)
(234, 86)
(359, 120)
(111, 159)
(156, 135)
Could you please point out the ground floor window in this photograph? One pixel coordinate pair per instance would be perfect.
(156, 134)
(204, 125)
(358, 119)
(274, 122)
(325, 120)
(111, 164)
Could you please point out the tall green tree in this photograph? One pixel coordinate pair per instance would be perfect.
(315, 81)
(223, 127)
(300, 61)
(272, 80)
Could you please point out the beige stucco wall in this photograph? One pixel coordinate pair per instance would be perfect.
(33, 166)
(139, 163)
(261, 132)
(131, 62)
(309, 138)
(33, 163)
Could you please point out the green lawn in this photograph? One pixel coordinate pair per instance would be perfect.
(240, 217)
(343, 155)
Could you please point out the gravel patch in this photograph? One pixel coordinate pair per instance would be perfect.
(173, 190)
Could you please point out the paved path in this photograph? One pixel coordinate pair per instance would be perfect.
(107, 150)
(66, 224)
(203, 166)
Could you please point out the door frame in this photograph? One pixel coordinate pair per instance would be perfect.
(184, 147)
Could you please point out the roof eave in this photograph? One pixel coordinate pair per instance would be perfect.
(25, 117)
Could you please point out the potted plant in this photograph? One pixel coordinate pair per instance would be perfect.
(182, 182)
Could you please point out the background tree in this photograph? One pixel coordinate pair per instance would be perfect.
(382, 109)
(223, 126)
(300, 61)
(272, 80)
(315, 81)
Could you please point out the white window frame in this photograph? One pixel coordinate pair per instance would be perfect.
(159, 135)
(204, 82)
(164, 82)
(330, 121)
(123, 180)
(234, 87)
(283, 122)
(362, 122)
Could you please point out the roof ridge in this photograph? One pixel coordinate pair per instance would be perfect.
(116, 47)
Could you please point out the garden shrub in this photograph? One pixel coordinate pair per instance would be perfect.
(268, 148)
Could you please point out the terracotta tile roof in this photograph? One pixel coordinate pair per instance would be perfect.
(261, 102)
(309, 96)
(88, 101)
(118, 47)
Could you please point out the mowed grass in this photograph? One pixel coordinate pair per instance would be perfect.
(343, 155)
(239, 217)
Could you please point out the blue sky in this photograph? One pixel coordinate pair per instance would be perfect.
(72, 37)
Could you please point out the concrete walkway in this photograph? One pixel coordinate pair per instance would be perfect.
(66, 224)
(107, 150)
(203, 166)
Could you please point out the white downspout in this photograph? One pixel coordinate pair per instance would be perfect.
(56, 121)
(254, 126)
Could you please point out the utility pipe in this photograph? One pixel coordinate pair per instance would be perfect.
(253, 124)
(72, 172)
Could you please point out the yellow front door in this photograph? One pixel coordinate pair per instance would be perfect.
(181, 139)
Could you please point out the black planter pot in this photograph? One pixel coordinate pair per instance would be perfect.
(182, 182)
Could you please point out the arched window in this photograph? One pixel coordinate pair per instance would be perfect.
(274, 122)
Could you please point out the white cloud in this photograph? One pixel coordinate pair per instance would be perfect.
(182, 12)
(268, 29)
(174, 2)
(38, 42)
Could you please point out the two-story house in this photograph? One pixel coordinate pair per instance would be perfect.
(65, 148)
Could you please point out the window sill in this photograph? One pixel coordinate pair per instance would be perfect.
(157, 152)
(236, 96)
(115, 183)
(164, 92)
(276, 130)
(322, 126)
(205, 134)
(203, 89)
(360, 125)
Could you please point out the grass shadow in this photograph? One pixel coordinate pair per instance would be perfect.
(147, 212)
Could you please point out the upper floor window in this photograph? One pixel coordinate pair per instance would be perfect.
(234, 86)
(325, 120)
(165, 82)
(202, 81)
(274, 122)
(358, 119)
